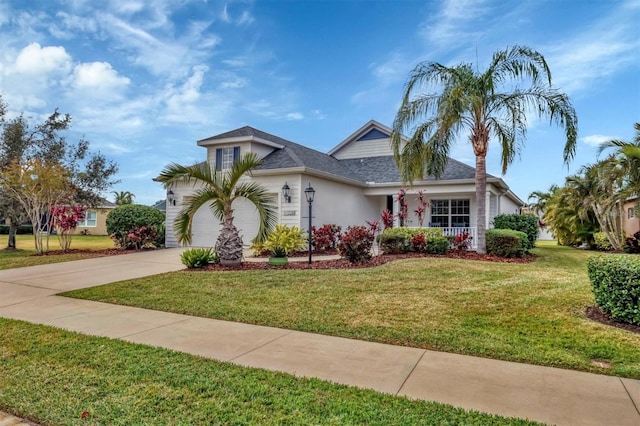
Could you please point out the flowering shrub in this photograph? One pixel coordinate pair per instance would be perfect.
(326, 237)
(355, 244)
(387, 219)
(65, 220)
(419, 243)
(142, 236)
(462, 242)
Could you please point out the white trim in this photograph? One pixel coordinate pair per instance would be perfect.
(372, 124)
(237, 139)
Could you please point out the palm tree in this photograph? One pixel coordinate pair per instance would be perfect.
(219, 190)
(484, 105)
(123, 197)
(628, 155)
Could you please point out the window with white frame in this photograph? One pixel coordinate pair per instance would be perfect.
(450, 213)
(630, 213)
(90, 219)
(226, 156)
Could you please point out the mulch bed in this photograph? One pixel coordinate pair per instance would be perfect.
(375, 261)
(595, 314)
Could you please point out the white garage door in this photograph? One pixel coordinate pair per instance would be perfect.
(206, 227)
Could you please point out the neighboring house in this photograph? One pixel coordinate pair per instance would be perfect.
(160, 205)
(95, 220)
(631, 216)
(354, 182)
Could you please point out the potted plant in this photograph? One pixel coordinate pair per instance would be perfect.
(282, 241)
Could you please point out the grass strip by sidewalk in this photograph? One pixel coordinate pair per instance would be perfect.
(532, 313)
(52, 376)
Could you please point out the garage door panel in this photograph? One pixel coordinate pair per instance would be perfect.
(206, 227)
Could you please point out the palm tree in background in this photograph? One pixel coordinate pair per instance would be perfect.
(628, 156)
(482, 105)
(219, 190)
(123, 197)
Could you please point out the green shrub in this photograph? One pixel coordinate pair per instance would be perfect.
(526, 223)
(356, 243)
(437, 245)
(199, 257)
(283, 240)
(398, 239)
(506, 242)
(130, 218)
(616, 286)
(602, 242)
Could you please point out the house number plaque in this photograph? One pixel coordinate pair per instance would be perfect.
(289, 212)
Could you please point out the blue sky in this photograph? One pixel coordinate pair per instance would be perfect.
(143, 80)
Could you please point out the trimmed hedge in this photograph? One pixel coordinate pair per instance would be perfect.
(506, 242)
(526, 223)
(129, 218)
(616, 286)
(22, 229)
(398, 240)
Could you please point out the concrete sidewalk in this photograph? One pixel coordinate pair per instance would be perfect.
(544, 394)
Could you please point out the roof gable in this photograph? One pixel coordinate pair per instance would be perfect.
(374, 133)
(371, 130)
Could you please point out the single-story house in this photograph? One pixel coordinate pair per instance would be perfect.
(354, 183)
(95, 219)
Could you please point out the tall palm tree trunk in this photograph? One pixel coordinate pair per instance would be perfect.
(481, 202)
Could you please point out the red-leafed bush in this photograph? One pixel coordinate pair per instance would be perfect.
(462, 242)
(326, 237)
(387, 219)
(356, 243)
(419, 243)
(65, 221)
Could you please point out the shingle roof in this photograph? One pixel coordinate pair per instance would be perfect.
(369, 169)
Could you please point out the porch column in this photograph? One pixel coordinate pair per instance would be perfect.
(487, 209)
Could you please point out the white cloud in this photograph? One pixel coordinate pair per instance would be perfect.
(98, 76)
(235, 62)
(37, 60)
(295, 116)
(596, 140)
(599, 51)
(318, 115)
(451, 25)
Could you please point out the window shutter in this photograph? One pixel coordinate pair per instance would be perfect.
(236, 153)
(219, 159)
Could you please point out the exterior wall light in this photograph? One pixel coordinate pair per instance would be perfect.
(285, 193)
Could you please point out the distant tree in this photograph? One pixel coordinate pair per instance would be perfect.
(492, 103)
(37, 186)
(218, 190)
(23, 143)
(123, 197)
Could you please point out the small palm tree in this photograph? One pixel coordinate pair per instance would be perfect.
(123, 197)
(483, 105)
(219, 190)
(628, 155)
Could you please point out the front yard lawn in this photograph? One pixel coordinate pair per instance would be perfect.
(24, 255)
(533, 313)
(53, 376)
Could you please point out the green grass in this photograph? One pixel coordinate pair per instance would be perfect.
(52, 376)
(532, 313)
(24, 255)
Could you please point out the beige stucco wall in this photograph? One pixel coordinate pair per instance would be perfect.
(630, 225)
(101, 223)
